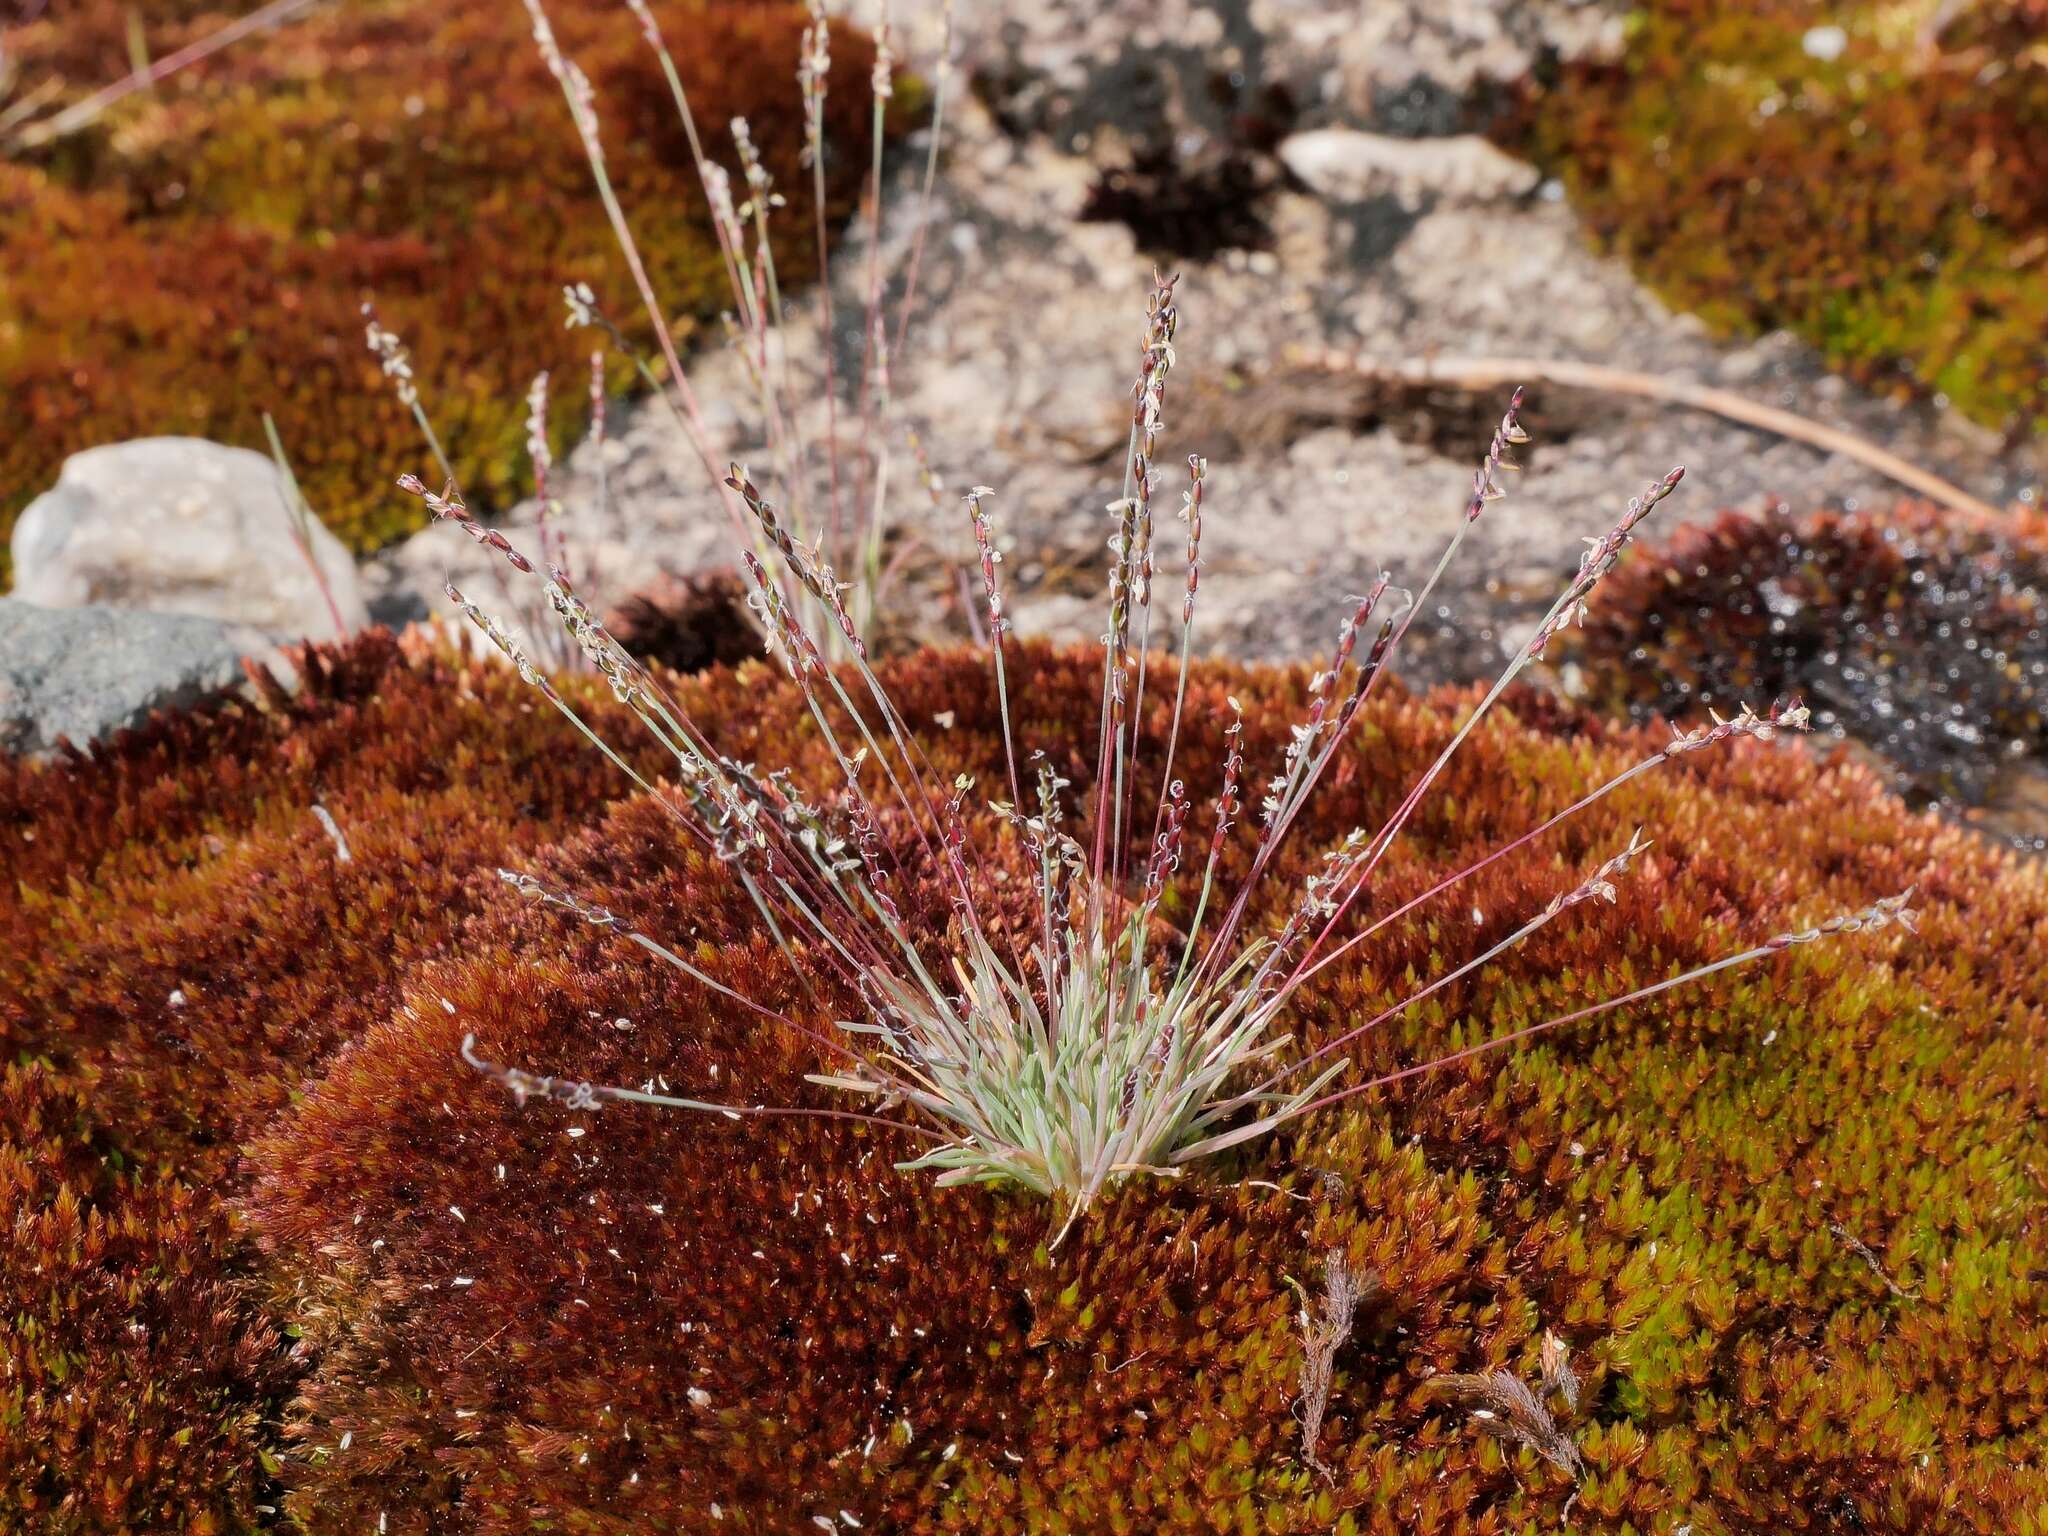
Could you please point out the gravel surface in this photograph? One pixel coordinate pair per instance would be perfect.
(1022, 348)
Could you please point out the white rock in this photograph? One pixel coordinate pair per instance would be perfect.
(182, 525)
(1348, 165)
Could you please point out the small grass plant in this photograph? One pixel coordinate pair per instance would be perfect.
(1082, 1038)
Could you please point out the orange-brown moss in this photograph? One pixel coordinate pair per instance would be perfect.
(178, 947)
(136, 1383)
(518, 1319)
(201, 254)
(622, 1327)
(1889, 204)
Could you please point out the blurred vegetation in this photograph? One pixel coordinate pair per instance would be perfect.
(201, 252)
(1873, 176)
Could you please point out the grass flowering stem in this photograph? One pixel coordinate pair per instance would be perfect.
(1893, 909)
(583, 112)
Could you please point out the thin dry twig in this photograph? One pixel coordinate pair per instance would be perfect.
(1863, 1251)
(1323, 1333)
(1502, 1405)
(1483, 373)
(81, 114)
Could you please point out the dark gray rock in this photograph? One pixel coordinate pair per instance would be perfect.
(84, 673)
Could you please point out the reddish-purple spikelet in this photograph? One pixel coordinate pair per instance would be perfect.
(997, 624)
(1485, 487)
(765, 598)
(392, 356)
(1601, 882)
(1787, 714)
(1228, 805)
(1166, 845)
(1878, 915)
(1121, 546)
(1141, 559)
(495, 633)
(1198, 470)
(1369, 669)
(447, 506)
(552, 550)
(805, 561)
(990, 556)
(1347, 642)
(1599, 559)
(1130, 574)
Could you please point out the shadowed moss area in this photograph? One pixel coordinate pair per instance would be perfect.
(441, 1311)
(1871, 176)
(1907, 627)
(201, 254)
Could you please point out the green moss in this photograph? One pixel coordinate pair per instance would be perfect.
(1889, 204)
(201, 254)
(608, 1322)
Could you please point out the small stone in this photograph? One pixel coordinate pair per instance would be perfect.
(1346, 165)
(1825, 43)
(179, 525)
(83, 673)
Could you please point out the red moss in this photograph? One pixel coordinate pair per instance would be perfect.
(190, 938)
(178, 947)
(506, 1326)
(136, 1383)
(615, 1329)
(200, 255)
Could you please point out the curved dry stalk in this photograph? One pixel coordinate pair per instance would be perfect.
(1480, 373)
